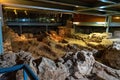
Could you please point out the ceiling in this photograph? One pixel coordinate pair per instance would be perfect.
(93, 7)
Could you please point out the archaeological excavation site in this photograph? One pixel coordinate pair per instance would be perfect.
(59, 39)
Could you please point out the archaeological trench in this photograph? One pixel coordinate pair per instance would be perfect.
(55, 56)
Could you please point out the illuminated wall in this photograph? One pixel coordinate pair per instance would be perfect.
(88, 18)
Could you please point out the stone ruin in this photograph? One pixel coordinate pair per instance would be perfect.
(79, 65)
(54, 58)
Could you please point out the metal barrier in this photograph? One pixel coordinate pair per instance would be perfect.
(26, 71)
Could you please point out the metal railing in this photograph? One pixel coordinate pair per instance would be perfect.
(26, 71)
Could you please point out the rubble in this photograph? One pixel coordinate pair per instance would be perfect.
(111, 56)
(49, 44)
(79, 65)
(97, 41)
(46, 63)
(105, 72)
(116, 46)
(75, 65)
(98, 36)
(53, 57)
(10, 59)
(7, 60)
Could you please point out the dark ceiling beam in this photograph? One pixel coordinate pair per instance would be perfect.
(101, 7)
(67, 2)
(61, 3)
(108, 1)
(108, 12)
(31, 3)
(36, 5)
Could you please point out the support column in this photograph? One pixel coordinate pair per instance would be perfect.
(108, 21)
(46, 28)
(1, 24)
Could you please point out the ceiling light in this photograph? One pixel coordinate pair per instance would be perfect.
(101, 10)
(76, 6)
(100, 22)
(25, 12)
(76, 23)
(117, 17)
(101, 7)
(107, 1)
(15, 11)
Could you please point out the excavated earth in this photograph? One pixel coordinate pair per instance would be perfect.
(79, 65)
(52, 57)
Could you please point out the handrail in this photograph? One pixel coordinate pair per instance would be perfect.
(26, 69)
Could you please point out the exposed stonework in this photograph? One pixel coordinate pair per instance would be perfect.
(79, 65)
(111, 56)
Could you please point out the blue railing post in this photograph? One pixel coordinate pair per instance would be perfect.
(25, 75)
(31, 74)
(11, 69)
(1, 39)
(1, 24)
(27, 71)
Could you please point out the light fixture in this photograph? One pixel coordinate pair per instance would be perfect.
(15, 11)
(117, 17)
(52, 19)
(101, 10)
(107, 1)
(100, 22)
(76, 23)
(23, 20)
(25, 12)
(76, 6)
(101, 7)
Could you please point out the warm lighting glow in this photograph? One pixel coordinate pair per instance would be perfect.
(76, 23)
(76, 6)
(25, 12)
(22, 37)
(117, 17)
(15, 11)
(2, 0)
(52, 19)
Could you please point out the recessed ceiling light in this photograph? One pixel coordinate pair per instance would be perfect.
(76, 23)
(102, 7)
(101, 10)
(103, 0)
(100, 22)
(107, 1)
(76, 6)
